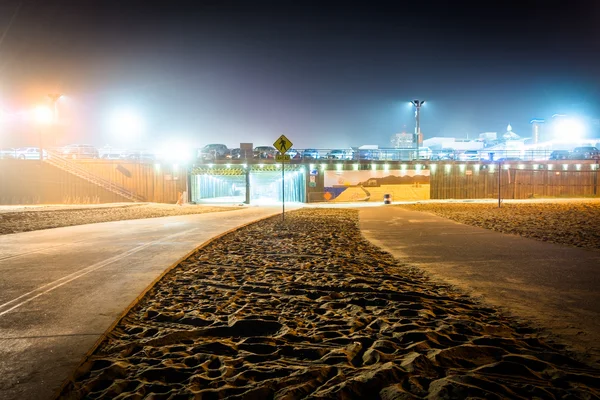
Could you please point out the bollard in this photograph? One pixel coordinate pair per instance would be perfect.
(387, 199)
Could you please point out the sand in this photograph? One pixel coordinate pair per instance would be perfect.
(573, 223)
(310, 309)
(24, 219)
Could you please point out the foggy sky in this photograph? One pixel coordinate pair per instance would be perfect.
(327, 76)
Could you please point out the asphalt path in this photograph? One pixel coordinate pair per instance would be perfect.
(60, 289)
(555, 286)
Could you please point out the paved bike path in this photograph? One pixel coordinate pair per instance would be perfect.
(553, 285)
(60, 289)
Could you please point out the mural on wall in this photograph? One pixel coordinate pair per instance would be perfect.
(401, 184)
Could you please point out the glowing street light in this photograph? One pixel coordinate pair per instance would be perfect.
(176, 151)
(128, 126)
(570, 128)
(43, 115)
(126, 122)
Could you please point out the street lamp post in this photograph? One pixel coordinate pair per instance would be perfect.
(54, 97)
(417, 104)
(43, 116)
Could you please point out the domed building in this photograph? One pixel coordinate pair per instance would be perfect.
(510, 135)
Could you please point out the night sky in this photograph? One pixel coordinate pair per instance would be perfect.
(327, 74)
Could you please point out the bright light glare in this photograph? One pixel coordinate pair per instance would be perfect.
(126, 122)
(43, 115)
(570, 128)
(176, 151)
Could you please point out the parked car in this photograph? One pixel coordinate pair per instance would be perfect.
(363, 154)
(141, 156)
(506, 159)
(424, 153)
(294, 154)
(238, 153)
(339, 154)
(559, 155)
(443, 154)
(235, 153)
(112, 156)
(585, 153)
(267, 152)
(29, 153)
(310, 154)
(213, 152)
(469, 155)
(78, 151)
(8, 152)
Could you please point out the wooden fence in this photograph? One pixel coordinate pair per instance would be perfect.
(475, 181)
(32, 182)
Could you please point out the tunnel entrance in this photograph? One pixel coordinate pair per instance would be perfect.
(228, 185)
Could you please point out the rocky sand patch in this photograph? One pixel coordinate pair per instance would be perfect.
(15, 221)
(574, 223)
(310, 309)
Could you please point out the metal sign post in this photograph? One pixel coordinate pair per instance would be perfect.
(247, 148)
(282, 191)
(282, 144)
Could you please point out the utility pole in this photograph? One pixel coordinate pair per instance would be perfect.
(54, 99)
(417, 104)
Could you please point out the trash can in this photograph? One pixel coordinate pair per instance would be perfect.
(387, 199)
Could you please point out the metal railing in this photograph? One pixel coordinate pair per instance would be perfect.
(392, 154)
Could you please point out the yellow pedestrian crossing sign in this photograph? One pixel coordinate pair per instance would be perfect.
(282, 144)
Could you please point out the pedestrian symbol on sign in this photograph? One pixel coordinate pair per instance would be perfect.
(282, 144)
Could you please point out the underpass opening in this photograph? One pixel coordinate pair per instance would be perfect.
(228, 185)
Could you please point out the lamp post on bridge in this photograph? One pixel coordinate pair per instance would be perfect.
(43, 116)
(417, 104)
(54, 97)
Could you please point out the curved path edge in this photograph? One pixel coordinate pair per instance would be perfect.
(554, 286)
